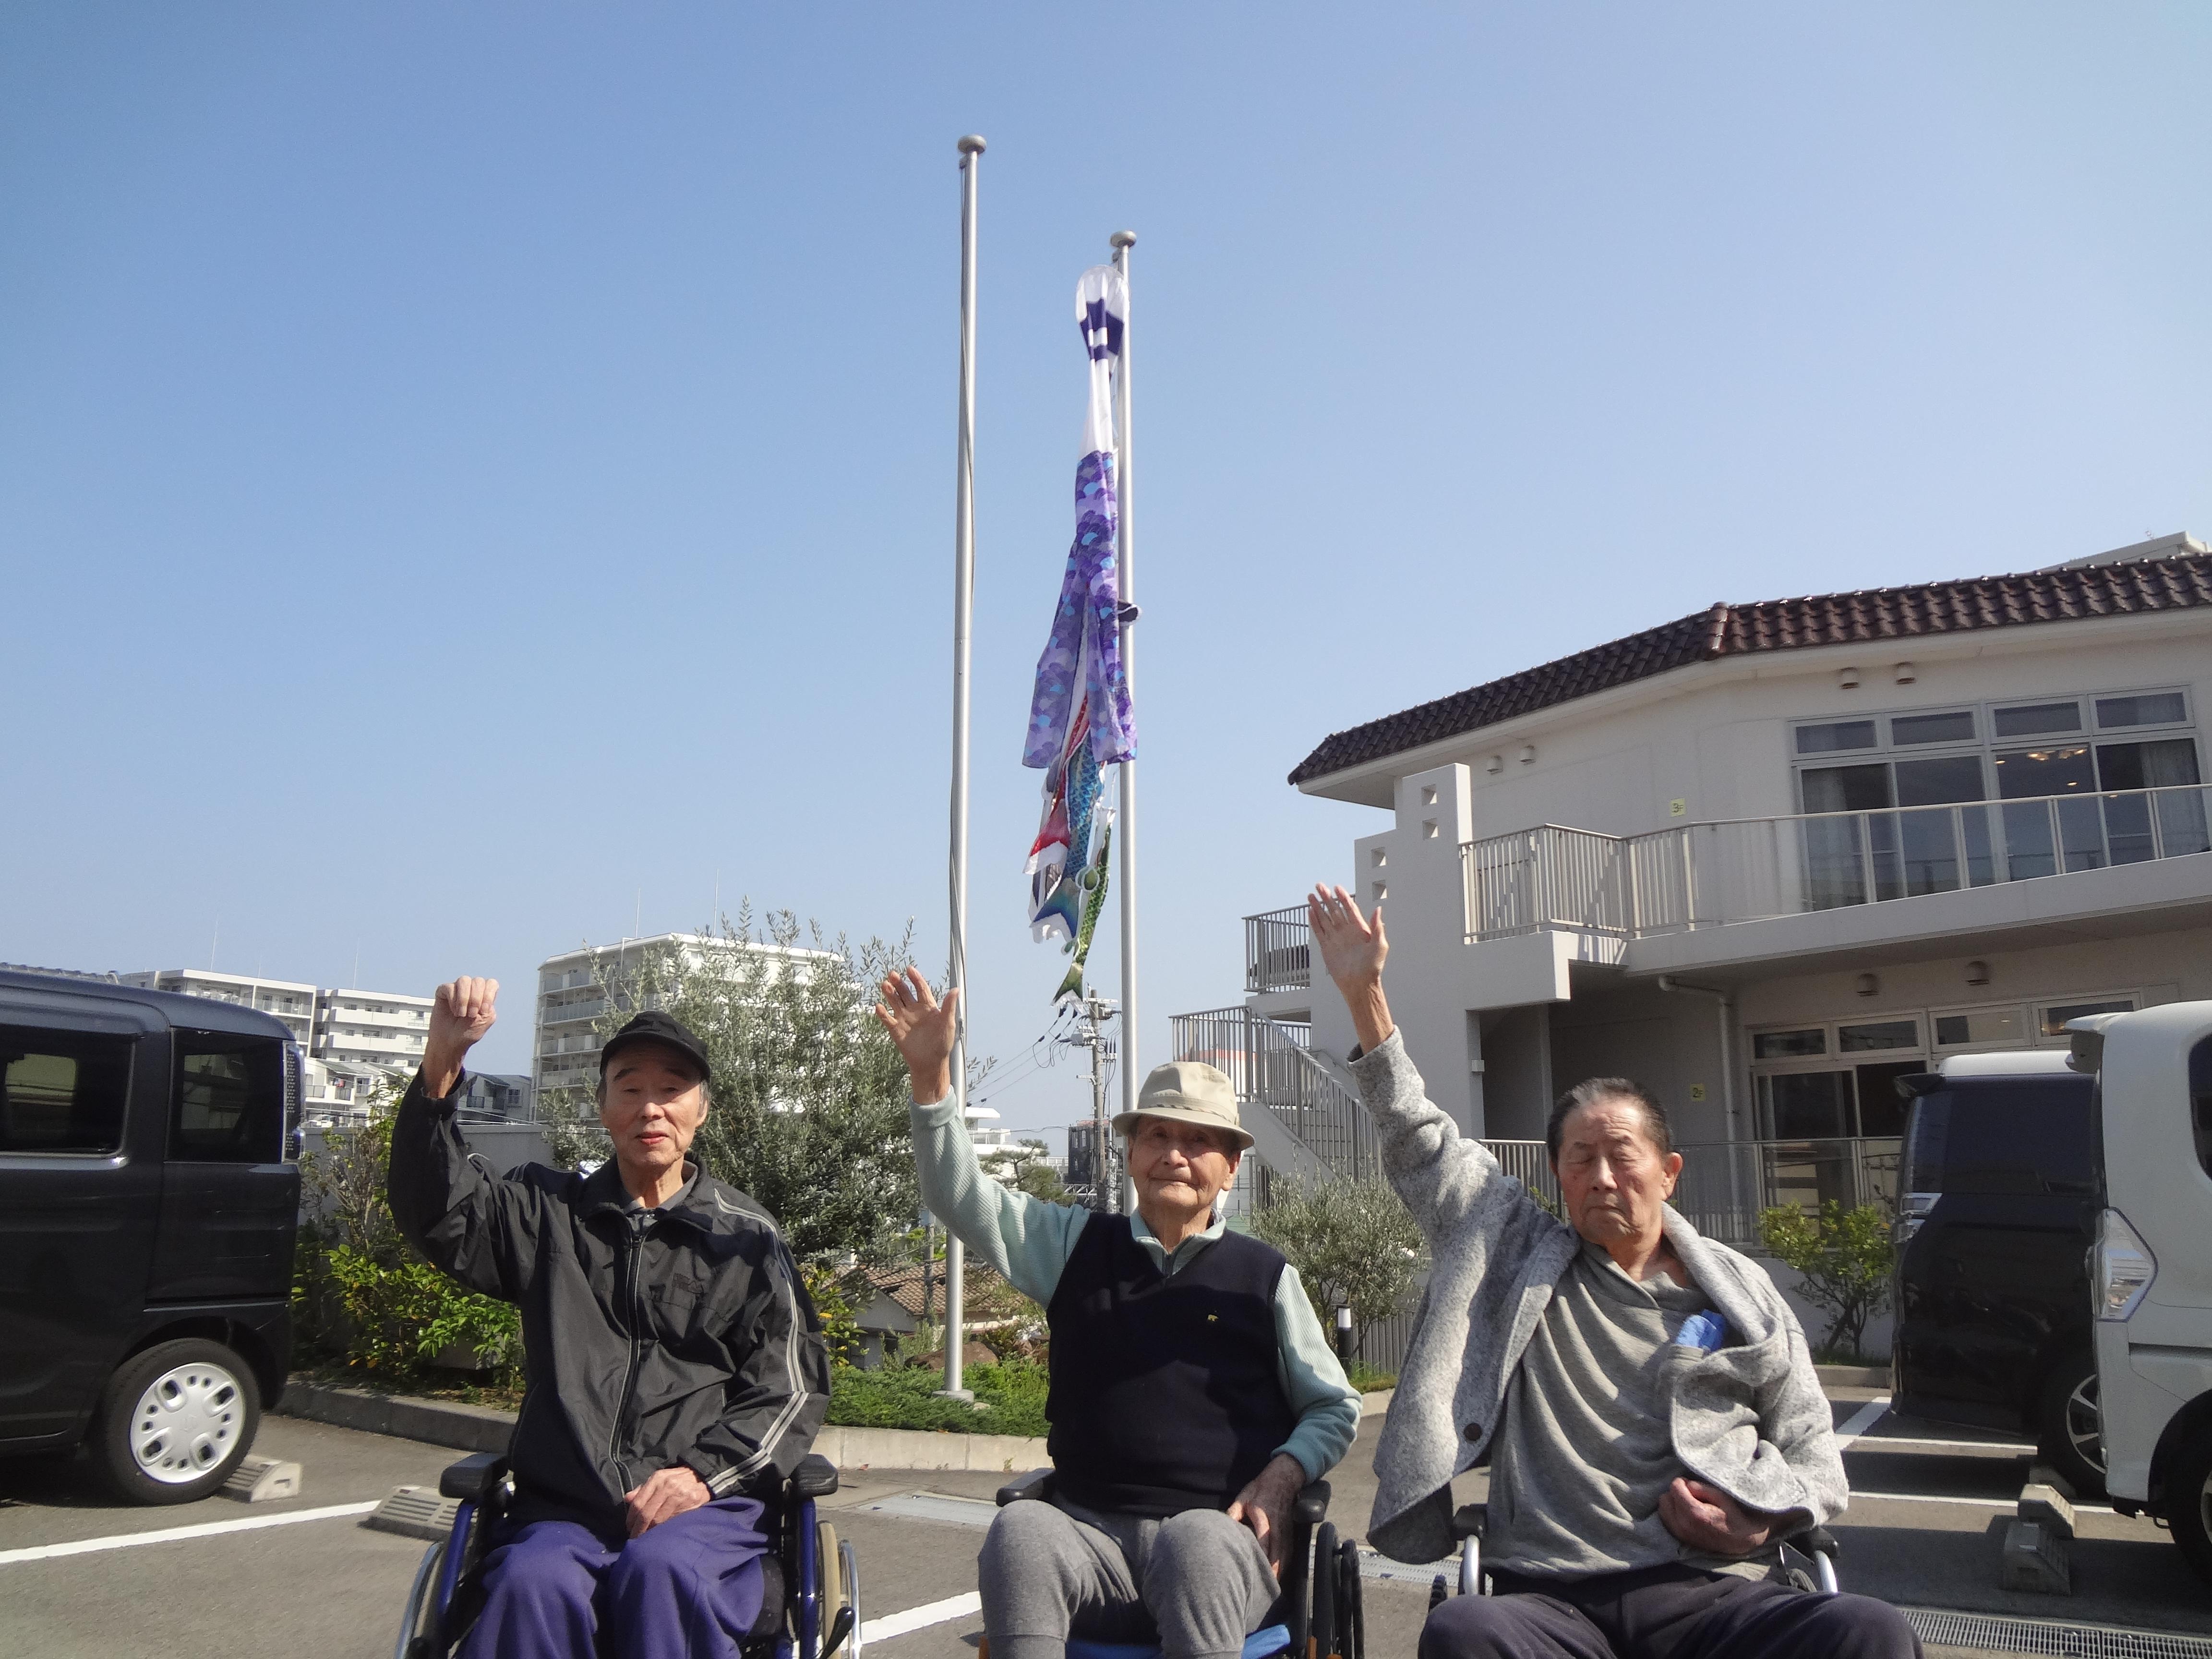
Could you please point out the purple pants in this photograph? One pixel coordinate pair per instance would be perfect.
(690, 1588)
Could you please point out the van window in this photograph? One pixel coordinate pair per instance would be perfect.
(63, 1090)
(2019, 1136)
(229, 1106)
(2200, 1100)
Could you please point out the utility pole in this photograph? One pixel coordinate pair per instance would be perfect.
(1106, 1186)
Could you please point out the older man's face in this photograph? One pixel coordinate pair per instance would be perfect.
(1612, 1174)
(652, 1103)
(1183, 1167)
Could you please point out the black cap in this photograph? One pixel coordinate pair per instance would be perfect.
(653, 1026)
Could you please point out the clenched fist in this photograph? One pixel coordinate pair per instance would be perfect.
(466, 1009)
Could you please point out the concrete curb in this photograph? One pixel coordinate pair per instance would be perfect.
(437, 1422)
(1376, 1401)
(1854, 1376)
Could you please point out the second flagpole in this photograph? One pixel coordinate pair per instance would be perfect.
(963, 607)
(1125, 469)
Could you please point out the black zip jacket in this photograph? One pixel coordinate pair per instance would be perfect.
(678, 1335)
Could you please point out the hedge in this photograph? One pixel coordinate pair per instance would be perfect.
(1009, 1399)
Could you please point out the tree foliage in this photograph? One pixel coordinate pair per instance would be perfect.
(1354, 1244)
(1845, 1257)
(809, 1113)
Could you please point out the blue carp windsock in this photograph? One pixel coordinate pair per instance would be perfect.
(1080, 715)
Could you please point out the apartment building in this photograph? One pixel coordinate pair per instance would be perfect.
(372, 1028)
(571, 997)
(289, 1000)
(1765, 859)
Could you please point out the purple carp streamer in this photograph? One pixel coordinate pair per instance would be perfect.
(1081, 719)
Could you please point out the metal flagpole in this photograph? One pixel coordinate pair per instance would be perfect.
(1124, 493)
(963, 606)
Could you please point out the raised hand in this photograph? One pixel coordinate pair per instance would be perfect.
(465, 1009)
(922, 1029)
(1353, 950)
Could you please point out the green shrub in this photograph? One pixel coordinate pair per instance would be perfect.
(1845, 1256)
(1366, 1379)
(1009, 1399)
(400, 1318)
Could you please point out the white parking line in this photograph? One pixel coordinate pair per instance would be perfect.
(172, 1534)
(1860, 1421)
(1982, 1502)
(921, 1618)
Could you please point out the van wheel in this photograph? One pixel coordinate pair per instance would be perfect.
(2189, 1503)
(175, 1421)
(2070, 1438)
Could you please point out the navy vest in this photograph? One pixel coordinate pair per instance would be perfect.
(1167, 1392)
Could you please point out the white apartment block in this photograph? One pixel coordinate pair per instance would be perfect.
(1764, 859)
(372, 1028)
(571, 999)
(288, 999)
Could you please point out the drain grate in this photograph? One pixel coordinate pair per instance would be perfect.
(2038, 1636)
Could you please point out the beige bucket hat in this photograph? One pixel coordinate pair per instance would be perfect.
(1189, 1092)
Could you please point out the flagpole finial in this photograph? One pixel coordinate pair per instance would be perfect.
(1122, 239)
(972, 144)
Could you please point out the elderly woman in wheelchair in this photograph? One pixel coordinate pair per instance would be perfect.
(1643, 1396)
(659, 1464)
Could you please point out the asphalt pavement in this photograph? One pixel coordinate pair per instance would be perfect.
(304, 1577)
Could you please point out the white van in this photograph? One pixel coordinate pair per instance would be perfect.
(2150, 1269)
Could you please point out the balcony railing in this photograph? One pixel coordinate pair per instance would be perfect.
(1711, 875)
(1278, 954)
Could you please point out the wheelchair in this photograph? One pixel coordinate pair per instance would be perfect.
(810, 1589)
(1470, 1524)
(1318, 1615)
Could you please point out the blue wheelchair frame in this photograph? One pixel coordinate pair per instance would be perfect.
(480, 1487)
(1324, 1617)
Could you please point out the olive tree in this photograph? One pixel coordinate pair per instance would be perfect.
(1353, 1242)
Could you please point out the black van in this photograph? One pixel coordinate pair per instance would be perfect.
(1999, 1193)
(148, 1198)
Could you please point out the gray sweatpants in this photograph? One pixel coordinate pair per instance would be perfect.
(1198, 1582)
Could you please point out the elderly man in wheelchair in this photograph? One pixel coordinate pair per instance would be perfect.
(677, 1374)
(1643, 1396)
(1195, 1402)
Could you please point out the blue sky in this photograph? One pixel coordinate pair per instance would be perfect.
(473, 479)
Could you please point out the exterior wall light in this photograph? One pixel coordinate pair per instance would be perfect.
(1867, 985)
(1905, 673)
(1977, 973)
(1497, 765)
(1848, 678)
(1528, 753)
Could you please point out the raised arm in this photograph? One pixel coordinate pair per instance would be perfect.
(1025, 1239)
(1440, 1174)
(465, 1220)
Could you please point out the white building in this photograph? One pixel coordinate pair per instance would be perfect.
(1765, 859)
(571, 999)
(290, 1002)
(352, 1040)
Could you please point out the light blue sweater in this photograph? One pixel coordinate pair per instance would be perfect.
(1030, 1241)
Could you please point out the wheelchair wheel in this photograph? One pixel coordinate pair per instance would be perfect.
(831, 1558)
(1321, 1639)
(1350, 1602)
(852, 1570)
(418, 1626)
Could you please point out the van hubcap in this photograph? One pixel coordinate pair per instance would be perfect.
(2085, 1431)
(188, 1421)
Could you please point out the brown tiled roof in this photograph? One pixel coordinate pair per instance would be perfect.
(1871, 616)
(903, 1284)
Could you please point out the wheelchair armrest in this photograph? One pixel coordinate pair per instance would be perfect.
(1819, 1542)
(1037, 1483)
(815, 1477)
(1471, 1521)
(1313, 1502)
(472, 1478)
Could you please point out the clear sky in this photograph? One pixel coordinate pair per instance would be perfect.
(476, 479)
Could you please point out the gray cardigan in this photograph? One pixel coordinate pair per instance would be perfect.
(1750, 1419)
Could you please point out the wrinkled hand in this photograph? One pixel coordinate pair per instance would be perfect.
(1353, 950)
(1265, 1505)
(922, 1029)
(665, 1494)
(465, 1009)
(1706, 1518)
